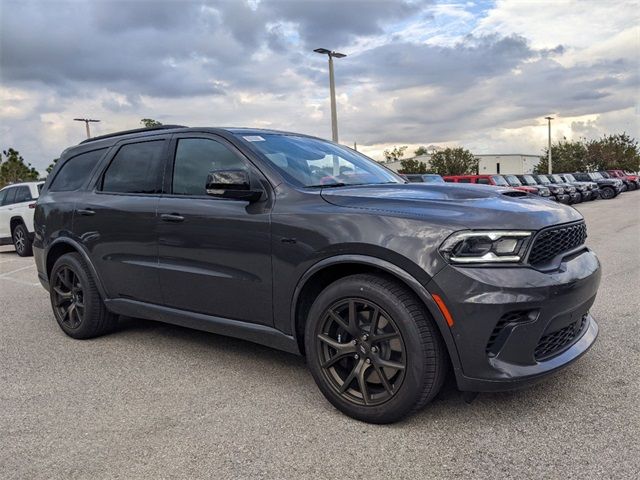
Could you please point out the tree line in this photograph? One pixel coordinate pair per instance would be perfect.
(617, 151)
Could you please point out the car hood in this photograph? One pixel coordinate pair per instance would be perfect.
(470, 206)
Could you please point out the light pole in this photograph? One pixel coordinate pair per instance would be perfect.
(86, 123)
(549, 120)
(332, 87)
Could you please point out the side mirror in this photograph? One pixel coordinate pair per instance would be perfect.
(232, 184)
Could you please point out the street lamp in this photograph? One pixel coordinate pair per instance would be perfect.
(86, 123)
(549, 120)
(334, 116)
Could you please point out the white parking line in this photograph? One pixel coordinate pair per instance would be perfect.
(21, 282)
(6, 274)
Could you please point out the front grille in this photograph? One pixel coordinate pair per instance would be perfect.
(555, 241)
(554, 342)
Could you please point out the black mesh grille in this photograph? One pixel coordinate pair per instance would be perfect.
(554, 342)
(552, 242)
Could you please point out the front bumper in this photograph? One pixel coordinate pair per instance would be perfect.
(562, 198)
(575, 197)
(516, 325)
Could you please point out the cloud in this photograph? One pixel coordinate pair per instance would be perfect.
(417, 72)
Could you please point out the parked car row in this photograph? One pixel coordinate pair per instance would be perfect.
(567, 188)
(17, 203)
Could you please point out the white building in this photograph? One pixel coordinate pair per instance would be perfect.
(514, 163)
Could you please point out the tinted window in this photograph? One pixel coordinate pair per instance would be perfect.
(11, 196)
(464, 180)
(75, 171)
(195, 158)
(23, 194)
(136, 168)
(484, 181)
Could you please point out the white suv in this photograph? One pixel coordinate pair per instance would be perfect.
(17, 204)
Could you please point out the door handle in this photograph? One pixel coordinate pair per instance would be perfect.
(171, 217)
(86, 211)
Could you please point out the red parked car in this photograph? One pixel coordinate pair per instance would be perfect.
(631, 181)
(498, 181)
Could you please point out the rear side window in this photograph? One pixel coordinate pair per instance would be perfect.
(484, 181)
(23, 194)
(464, 180)
(11, 196)
(136, 168)
(75, 171)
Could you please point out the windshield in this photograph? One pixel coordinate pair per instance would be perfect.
(433, 179)
(498, 180)
(529, 180)
(604, 174)
(569, 177)
(311, 162)
(557, 178)
(513, 180)
(596, 176)
(543, 180)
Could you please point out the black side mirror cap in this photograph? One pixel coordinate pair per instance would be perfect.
(231, 184)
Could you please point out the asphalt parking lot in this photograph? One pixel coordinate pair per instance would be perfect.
(160, 401)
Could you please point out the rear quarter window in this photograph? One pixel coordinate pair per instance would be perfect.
(74, 172)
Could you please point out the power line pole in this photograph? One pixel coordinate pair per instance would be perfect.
(86, 123)
(549, 148)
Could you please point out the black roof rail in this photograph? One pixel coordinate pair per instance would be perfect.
(135, 130)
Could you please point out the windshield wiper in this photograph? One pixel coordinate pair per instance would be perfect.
(328, 185)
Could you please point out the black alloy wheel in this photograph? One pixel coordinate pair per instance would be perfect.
(373, 348)
(68, 297)
(361, 351)
(607, 193)
(76, 302)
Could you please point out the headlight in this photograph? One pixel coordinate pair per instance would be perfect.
(485, 246)
(556, 190)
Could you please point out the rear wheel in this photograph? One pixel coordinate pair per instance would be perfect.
(76, 302)
(373, 350)
(21, 241)
(607, 192)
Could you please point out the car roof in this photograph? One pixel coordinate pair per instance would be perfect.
(38, 182)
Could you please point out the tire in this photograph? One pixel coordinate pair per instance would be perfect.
(21, 241)
(76, 302)
(631, 187)
(365, 357)
(607, 193)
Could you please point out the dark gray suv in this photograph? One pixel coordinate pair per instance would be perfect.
(310, 247)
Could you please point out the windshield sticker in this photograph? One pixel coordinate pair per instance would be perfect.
(253, 138)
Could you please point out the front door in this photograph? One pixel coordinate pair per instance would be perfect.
(214, 253)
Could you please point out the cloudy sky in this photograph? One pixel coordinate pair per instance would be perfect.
(477, 74)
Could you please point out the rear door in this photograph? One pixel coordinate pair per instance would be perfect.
(6, 196)
(214, 253)
(116, 219)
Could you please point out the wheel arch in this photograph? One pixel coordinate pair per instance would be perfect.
(327, 271)
(64, 245)
(14, 222)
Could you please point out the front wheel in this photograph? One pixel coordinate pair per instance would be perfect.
(607, 192)
(373, 350)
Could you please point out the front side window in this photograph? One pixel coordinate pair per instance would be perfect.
(464, 180)
(136, 168)
(75, 171)
(195, 158)
(484, 181)
(311, 162)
